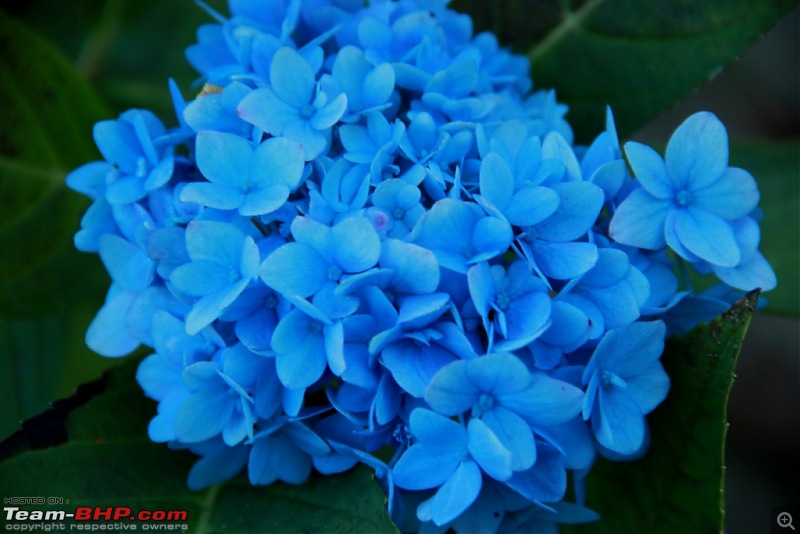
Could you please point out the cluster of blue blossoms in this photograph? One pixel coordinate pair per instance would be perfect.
(367, 241)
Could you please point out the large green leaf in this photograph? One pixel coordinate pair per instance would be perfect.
(678, 485)
(93, 450)
(638, 56)
(112, 45)
(46, 118)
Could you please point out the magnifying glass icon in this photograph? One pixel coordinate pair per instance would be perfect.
(785, 520)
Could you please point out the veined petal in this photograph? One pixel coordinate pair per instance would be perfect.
(330, 114)
(490, 453)
(223, 158)
(203, 415)
(496, 180)
(650, 170)
(619, 422)
(579, 205)
(697, 152)
(639, 220)
(212, 195)
(708, 236)
(455, 495)
(291, 78)
(419, 469)
(532, 205)
(299, 347)
(547, 401)
(514, 434)
(450, 392)
(355, 244)
(277, 161)
(734, 195)
(294, 269)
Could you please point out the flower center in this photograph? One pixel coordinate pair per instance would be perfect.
(334, 273)
(398, 214)
(271, 301)
(502, 301)
(485, 403)
(307, 111)
(683, 198)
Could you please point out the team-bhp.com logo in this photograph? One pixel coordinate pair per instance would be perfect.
(123, 517)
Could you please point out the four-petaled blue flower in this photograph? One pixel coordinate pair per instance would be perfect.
(690, 199)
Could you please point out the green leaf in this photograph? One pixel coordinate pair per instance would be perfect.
(678, 485)
(93, 449)
(640, 57)
(46, 119)
(775, 165)
(111, 45)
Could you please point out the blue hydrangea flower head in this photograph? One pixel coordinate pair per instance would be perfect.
(366, 241)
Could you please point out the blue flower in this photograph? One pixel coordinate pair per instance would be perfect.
(449, 457)
(283, 450)
(688, 200)
(294, 105)
(253, 180)
(224, 261)
(625, 381)
(510, 400)
(512, 304)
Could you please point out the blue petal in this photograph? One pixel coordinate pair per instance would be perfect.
(450, 391)
(649, 388)
(329, 115)
(563, 261)
(749, 275)
(215, 241)
(294, 269)
(108, 333)
(264, 109)
(416, 270)
(223, 158)
(222, 464)
(212, 195)
(546, 481)
(455, 496)
(515, 435)
(579, 206)
(639, 221)
(413, 367)
(545, 402)
(650, 170)
(438, 433)
(305, 439)
(277, 161)
(708, 236)
(619, 423)
(203, 415)
(419, 468)
(300, 350)
(291, 78)
(496, 180)
(497, 374)
(532, 205)
(481, 287)
(200, 278)
(734, 195)
(128, 265)
(356, 245)
(208, 309)
(697, 152)
(490, 453)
